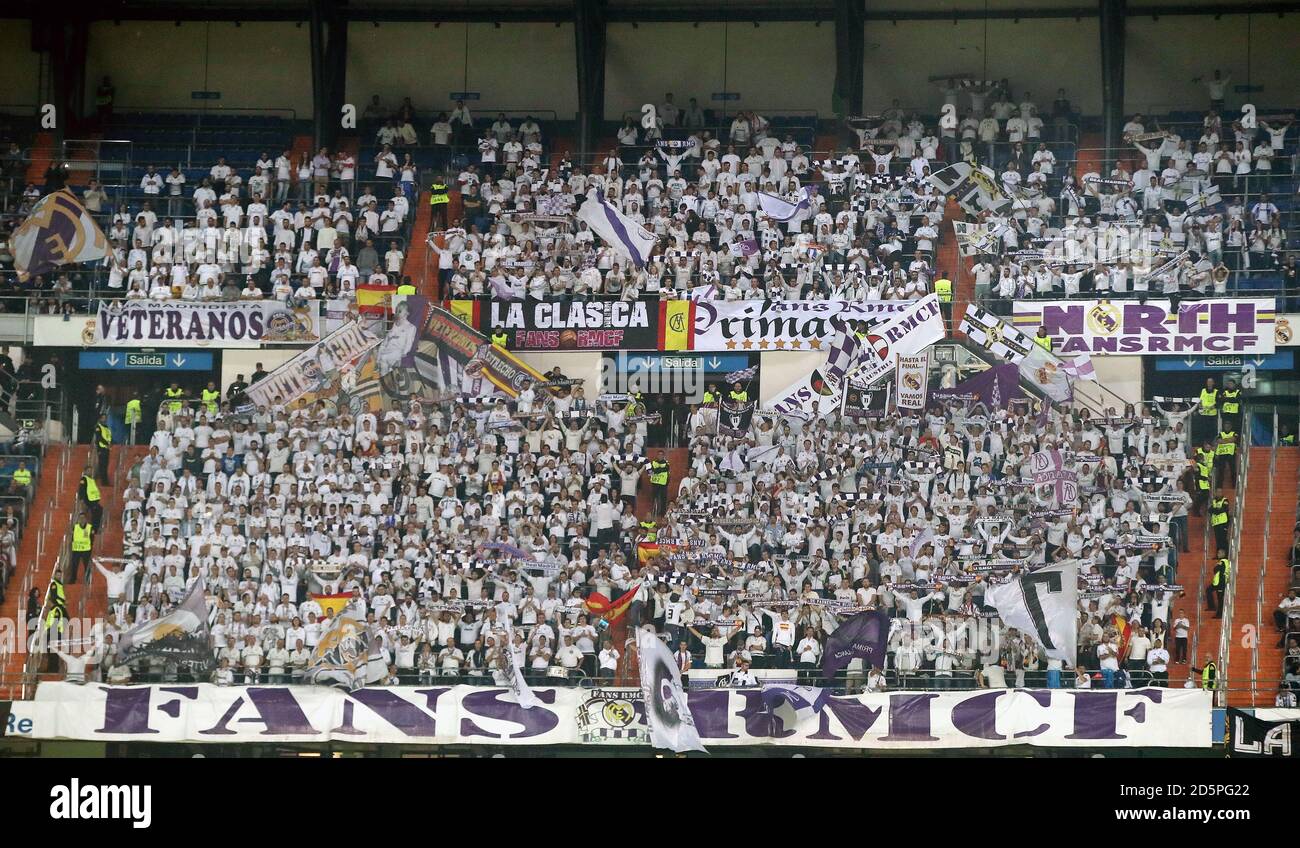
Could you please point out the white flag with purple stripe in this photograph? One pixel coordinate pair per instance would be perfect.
(624, 235)
(1080, 368)
(781, 210)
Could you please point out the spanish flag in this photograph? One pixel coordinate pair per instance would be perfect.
(332, 604)
(1125, 630)
(374, 299)
(611, 611)
(677, 325)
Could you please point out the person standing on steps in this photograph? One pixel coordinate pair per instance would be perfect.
(88, 491)
(83, 539)
(103, 448)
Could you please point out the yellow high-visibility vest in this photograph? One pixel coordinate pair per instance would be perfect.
(103, 435)
(133, 414)
(23, 476)
(500, 339)
(1219, 512)
(406, 288)
(741, 396)
(1227, 571)
(1208, 675)
(1227, 444)
(943, 288)
(211, 399)
(1231, 401)
(81, 535)
(92, 488)
(175, 395)
(710, 397)
(659, 472)
(438, 195)
(1209, 402)
(1045, 342)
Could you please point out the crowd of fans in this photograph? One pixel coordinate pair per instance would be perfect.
(448, 521)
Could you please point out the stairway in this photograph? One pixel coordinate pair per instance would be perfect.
(949, 263)
(1088, 156)
(40, 156)
(1254, 672)
(109, 542)
(58, 504)
(1193, 574)
(418, 265)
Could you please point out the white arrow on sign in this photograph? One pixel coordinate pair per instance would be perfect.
(1189, 362)
(178, 360)
(1259, 361)
(112, 360)
(714, 362)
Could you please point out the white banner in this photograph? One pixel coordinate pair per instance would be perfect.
(765, 325)
(1101, 327)
(912, 381)
(314, 368)
(467, 715)
(169, 324)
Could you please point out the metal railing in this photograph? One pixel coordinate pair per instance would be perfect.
(1228, 603)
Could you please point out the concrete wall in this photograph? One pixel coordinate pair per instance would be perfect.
(21, 67)
(236, 362)
(576, 365)
(776, 371)
(519, 66)
(157, 64)
(775, 67)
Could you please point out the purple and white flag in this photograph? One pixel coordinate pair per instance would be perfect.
(748, 247)
(624, 235)
(1080, 368)
(783, 211)
(1048, 469)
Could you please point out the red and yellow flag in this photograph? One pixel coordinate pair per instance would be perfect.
(598, 604)
(374, 299)
(332, 604)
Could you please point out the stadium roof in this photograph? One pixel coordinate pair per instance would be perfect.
(659, 10)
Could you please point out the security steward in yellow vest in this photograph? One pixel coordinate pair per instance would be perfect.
(1218, 584)
(175, 398)
(1219, 520)
(56, 605)
(1043, 340)
(1225, 455)
(943, 289)
(1230, 404)
(1204, 477)
(88, 491)
(212, 399)
(738, 396)
(407, 287)
(134, 413)
(649, 530)
(83, 538)
(499, 338)
(22, 476)
(659, 482)
(1209, 674)
(1203, 423)
(438, 201)
(711, 394)
(103, 447)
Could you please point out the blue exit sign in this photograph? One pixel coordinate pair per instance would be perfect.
(130, 360)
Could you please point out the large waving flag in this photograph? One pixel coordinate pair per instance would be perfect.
(781, 210)
(347, 655)
(865, 635)
(58, 232)
(514, 675)
(667, 712)
(1043, 604)
(179, 636)
(620, 232)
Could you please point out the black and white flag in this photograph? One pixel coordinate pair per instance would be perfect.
(735, 419)
(1043, 604)
(862, 402)
(667, 712)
